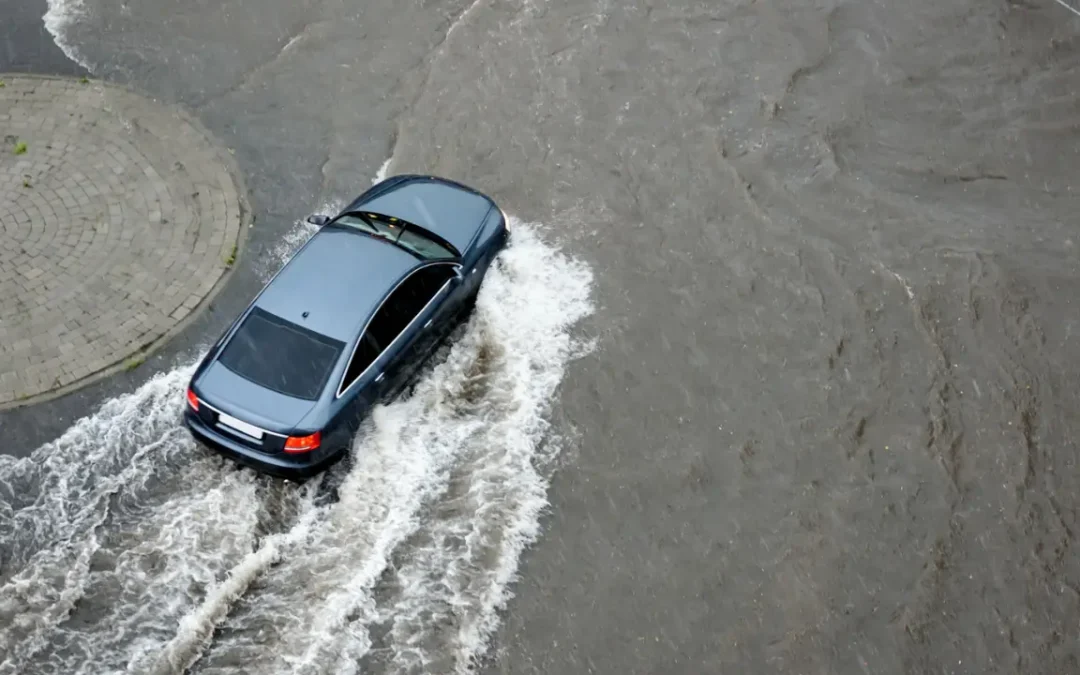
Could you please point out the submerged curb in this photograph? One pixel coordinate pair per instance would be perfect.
(120, 219)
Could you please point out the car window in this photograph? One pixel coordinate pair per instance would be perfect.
(367, 350)
(426, 248)
(375, 227)
(395, 314)
(281, 356)
(408, 237)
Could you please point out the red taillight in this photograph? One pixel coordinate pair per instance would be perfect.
(192, 399)
(303, 443)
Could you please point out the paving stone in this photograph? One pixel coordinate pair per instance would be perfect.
(96, 219)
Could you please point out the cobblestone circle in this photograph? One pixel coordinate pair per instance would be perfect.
(118, 218)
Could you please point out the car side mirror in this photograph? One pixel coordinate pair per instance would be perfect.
(319, 220)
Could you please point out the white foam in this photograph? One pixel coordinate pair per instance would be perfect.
(452, 584)
(58, 18)
(197, 626)
(124, 501)
(380, 175)
(460, 21)
(291, 42)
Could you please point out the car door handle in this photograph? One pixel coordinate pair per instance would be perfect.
(380, 377)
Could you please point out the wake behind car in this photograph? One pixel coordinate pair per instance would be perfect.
(344, 324)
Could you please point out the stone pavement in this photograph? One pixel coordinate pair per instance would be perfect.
(119, 218)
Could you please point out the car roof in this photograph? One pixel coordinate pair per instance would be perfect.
(452, 212)
(338, 278)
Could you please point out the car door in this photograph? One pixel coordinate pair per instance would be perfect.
(404, 323)
(436, 319)
(354, 400)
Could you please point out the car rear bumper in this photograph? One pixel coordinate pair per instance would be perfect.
(293, 467)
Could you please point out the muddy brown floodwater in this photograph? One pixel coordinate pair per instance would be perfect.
(829, 422)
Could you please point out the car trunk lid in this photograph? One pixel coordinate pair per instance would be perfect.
(258, 416)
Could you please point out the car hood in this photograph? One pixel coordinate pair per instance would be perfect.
(223, 389)
(450, 212)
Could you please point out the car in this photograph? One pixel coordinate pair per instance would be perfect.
(344, 324)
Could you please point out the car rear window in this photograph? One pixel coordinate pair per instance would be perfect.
(280, 355)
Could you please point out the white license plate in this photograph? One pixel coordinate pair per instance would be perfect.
(240, 425)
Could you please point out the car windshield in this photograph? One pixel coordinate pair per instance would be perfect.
(280, 355)
(408, 237)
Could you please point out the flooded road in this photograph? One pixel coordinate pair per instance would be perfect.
(825, 254)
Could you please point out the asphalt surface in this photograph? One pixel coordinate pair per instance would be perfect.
(828, 425)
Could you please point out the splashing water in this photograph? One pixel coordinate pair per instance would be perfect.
(58, 19)
(129, 548)
(114, 530)
(380, 175)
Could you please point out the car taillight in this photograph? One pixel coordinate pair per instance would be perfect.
(303, 443)
(192, 400)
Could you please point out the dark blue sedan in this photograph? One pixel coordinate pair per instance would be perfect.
(344, 324)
